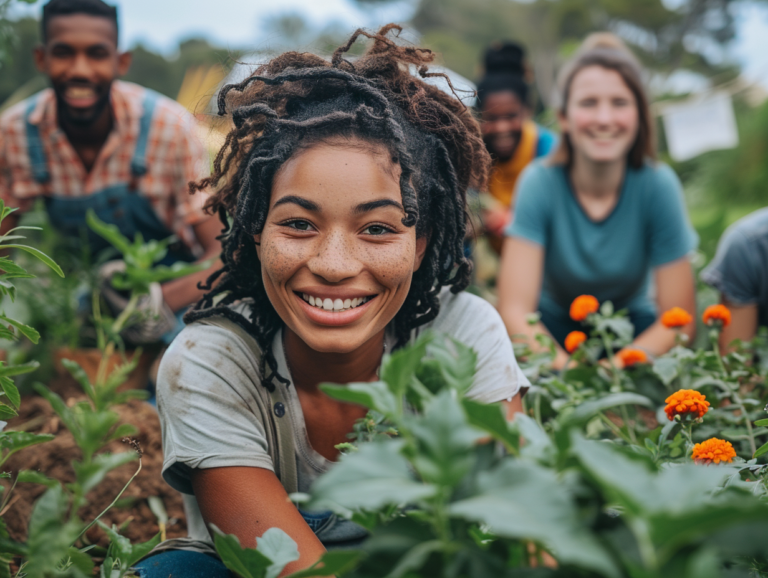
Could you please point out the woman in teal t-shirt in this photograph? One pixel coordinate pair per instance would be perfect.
(601, 216)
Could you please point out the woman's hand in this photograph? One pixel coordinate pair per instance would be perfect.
(246, 502)
(519, 287)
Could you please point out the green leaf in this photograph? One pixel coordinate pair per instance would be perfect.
(79, 560)
(762, 423)
(278, 546)
(7, 412)
(110, 233)
(521, 500)
(538, 445)
(157, 508)
(80, 376)
(375, 396)
(11, 392)
(121, 549)
(491, 418)
(13, 441)
(375, 476)
(445, 440)
(457, 362)
(90, 474)
(761, 450)
(22, 368)
(34, 477)
(29, 332)
(39, 255)
(333, 563)
(246, 563)
(398, 369)
(590, 408)
(666, 369)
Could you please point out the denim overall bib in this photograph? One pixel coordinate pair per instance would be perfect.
(119, 205)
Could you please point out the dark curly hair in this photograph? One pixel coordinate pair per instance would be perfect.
(299, 99)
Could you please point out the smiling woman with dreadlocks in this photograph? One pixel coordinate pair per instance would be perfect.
(344, 185)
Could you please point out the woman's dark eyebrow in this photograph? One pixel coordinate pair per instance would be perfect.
(303, 203)
(365, 207)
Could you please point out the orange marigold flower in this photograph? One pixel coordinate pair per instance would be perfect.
(573, 340)
(583, 306)
(715, 313)
(676, 317)
(714, 450)
(686, 402)
(630, 357)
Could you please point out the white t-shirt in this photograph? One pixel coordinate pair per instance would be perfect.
(210, 416)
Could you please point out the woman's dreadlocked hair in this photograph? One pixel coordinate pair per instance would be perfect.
(299, 99)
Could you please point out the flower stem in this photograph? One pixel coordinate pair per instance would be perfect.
(614, 428)
(630, 429)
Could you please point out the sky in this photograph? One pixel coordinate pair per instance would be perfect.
(160, 24)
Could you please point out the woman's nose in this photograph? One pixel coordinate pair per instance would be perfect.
(336, 258)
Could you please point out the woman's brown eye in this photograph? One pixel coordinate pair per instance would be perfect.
(299, 225)
(377, 230)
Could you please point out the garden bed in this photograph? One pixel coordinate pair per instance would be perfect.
(54, 459)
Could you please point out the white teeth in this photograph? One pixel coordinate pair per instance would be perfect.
(336, 305)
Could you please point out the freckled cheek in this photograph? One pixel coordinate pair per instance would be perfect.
(392, 265)
(280, 260)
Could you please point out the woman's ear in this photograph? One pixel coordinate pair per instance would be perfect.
(421, 249)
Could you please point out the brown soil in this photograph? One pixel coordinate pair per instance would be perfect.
(54, 459)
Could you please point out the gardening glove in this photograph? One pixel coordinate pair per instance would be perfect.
(153, 317)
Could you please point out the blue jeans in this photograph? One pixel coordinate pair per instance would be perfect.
(182, 564)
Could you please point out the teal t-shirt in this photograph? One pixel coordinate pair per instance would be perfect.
(611, 259)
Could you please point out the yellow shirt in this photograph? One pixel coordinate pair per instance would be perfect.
(504, 175)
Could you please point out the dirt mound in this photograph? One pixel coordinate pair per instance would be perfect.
(54, 459)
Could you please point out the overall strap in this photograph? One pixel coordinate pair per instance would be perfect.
(139, 161)
(35, 148)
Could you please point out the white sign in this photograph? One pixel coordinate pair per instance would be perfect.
(699, 125)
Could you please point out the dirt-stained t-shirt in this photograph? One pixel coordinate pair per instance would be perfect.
(209, 377)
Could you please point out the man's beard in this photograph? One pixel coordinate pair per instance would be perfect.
(86, 117)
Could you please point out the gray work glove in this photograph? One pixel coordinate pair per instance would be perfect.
(153, 317)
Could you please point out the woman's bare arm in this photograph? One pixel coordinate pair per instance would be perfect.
(743, 324)
(519, 286)
(674, 288)
(246, 502)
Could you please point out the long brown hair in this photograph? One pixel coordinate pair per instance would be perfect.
(607, 51)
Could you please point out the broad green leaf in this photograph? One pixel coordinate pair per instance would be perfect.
(246, 563)
(375, 476)
(398, 368)
(375, 395)
(666, 369)
(157, 508)
(121, 549)
(521, 500)
(79, 560)
(588, 409)
(762, 423)
(11, 392)
(278, 546)
(445, 440)
(40, 256)
(537, 444)
(7, 412)
(333, 563)
(491, 418)
(29, 332)
(456, 362)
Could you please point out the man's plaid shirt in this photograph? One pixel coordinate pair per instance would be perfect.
(175, 156)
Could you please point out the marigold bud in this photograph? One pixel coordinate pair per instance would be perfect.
(676, 317)
(717, 313)
(583, 306)
(713, 450)
(630, 357)
(686, 402)
(573, 340)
